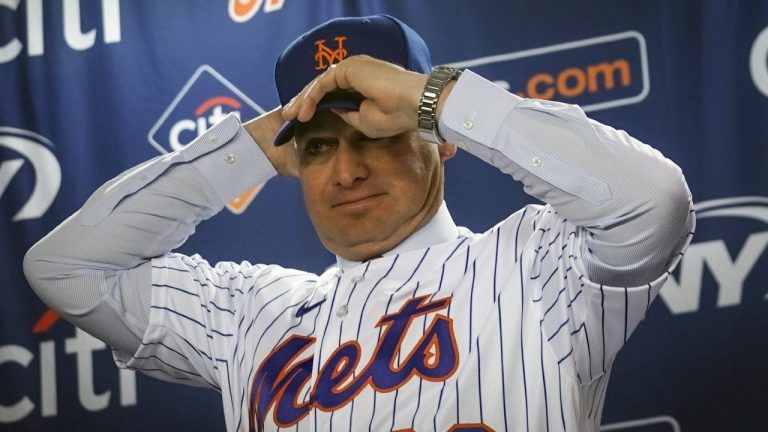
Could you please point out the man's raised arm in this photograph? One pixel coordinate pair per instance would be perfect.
(633, 202)
(94, 268)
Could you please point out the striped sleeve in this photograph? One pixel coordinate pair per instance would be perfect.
(104, 267)
(580, 317)
(193, 317)
(618, 215)
(597, 177)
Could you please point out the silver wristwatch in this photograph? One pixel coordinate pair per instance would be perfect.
(440, 76)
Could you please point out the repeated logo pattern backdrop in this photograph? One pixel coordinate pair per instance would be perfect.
(90, 88)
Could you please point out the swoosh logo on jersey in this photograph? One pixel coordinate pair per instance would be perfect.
(304, 308)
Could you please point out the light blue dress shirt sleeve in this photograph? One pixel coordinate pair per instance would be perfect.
(629, 197)
(94, 268)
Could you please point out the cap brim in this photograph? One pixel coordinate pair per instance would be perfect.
(348, 101)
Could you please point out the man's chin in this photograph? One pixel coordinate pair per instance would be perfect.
(362, 249)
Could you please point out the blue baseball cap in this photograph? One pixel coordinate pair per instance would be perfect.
(379, 36)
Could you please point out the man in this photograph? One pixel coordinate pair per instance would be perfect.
(421, 325)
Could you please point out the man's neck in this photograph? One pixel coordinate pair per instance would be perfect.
(439, 229)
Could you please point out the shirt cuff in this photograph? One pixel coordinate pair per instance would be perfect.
(538, 136)
(475, 110)
(229, 159)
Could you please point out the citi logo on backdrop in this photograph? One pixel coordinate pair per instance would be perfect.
(35, 36)
(44, 364)
(204, 100)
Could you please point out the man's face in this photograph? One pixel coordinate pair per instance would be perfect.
(365, 196)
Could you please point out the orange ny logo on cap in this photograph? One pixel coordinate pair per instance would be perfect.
(326, 56)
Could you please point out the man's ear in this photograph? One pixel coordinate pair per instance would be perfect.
(446, 150)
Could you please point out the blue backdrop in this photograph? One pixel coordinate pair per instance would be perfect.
(90, 88)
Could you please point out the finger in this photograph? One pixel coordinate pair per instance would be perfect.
(351, 117)
(336, 77)
(304, 104)
(307, 102)
(373, 122)
(295, 106)
(316, 91)
(289, 110)
(339, 76)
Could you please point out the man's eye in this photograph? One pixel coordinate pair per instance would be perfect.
(316, 147)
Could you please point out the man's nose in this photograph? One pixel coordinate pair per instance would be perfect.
(350, 165)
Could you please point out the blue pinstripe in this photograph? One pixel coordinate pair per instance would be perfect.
(557, 300)
(264, 331)
(173, 367)
(602, 322)
(543, 375)
(240, 272)
(321, 343)
(386, 311)
(179, 314)
(522, 351)
(558, 329)
(471, 303)
(439, 287)
(360, 322)
(501, 328)
(560, 386)
(349, 299)
(626, 312)
(255, 318)
(279, 340)
(479, 379)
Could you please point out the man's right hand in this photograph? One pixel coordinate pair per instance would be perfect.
(263, 130)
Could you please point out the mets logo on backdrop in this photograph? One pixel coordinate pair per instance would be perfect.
(326, 56)
(204, 100)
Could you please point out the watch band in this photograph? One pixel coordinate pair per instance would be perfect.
(440, 76)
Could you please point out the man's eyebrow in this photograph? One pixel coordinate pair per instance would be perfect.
(312, 135)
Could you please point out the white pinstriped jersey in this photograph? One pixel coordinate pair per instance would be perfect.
(500, 330)
(493, 331)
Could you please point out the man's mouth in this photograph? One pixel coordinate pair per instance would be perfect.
(354, 202)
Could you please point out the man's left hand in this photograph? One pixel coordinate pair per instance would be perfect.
(391, 96)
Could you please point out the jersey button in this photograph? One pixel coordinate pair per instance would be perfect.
(358, 278)
(342, 311)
